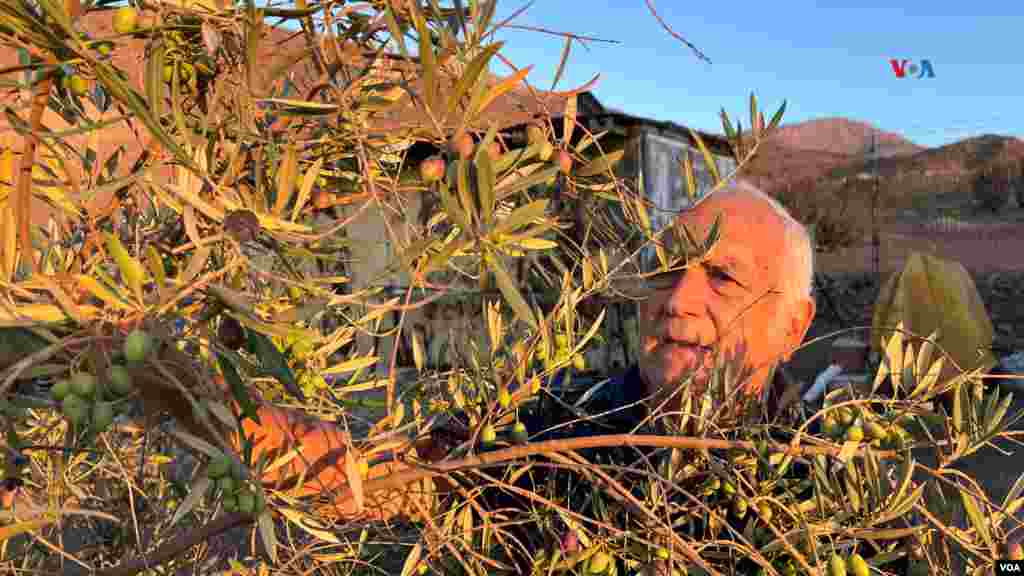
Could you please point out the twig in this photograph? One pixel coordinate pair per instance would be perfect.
(650, 6)
(563, 34)
(178, 545)
(400, 479)
(42, 355)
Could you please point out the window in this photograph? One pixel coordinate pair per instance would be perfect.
(664, 182)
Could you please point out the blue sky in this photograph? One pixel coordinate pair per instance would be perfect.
(824, 59)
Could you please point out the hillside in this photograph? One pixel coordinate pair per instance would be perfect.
(814, 148)
(959, 158)
(835, 148)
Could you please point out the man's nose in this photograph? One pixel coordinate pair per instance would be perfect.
(690, 293)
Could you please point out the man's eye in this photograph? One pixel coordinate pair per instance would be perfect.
(664, 281)
(721, 274)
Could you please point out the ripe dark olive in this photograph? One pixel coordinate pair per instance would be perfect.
(231, 333)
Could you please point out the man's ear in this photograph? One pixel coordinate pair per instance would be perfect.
(799, 323)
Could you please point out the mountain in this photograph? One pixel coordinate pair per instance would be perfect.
(814, 148)
(841, 136)
(836, 148)
(986, 152)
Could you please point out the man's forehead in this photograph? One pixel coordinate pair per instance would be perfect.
(748, 233)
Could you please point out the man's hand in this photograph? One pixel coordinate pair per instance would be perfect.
(320, 462)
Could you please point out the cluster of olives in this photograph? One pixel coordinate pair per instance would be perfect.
(226, 478)
(855, 425)
(432, 169)
(739, 505)
(489, 436)
(75, 84)
(853, 565)
(84, 403)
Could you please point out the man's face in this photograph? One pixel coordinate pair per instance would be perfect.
(733, 300)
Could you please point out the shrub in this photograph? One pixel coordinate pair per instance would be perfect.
(991, 189)
(839, 216)
(221, 278)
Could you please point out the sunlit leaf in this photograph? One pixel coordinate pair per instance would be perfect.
(480, 103)
(100, 291)
(305, 523)
(601, 164)
(978, 520)
(132, 271)
(511, 293)
(472, 75)
(12, 530)
(409, 567)
(196, 494)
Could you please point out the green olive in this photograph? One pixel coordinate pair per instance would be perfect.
(120, 380)
(75, 409)
(488, 436)
(599, 563)
(876, 431)
(857, 565)
(137, 346)
(739, 507)
(226, 484)
(60, 390)
(846, 415)
(519, 433)
(76, 85)
(83, 384)
(102, 416)
(246, 502)
(836, 566)
(219, 466)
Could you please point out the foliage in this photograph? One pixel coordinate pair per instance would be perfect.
(838, 214)
(190, 296)
(992, 188)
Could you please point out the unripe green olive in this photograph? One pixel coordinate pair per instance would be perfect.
(488, 436)
(519, 433)
(75, 409)
(836, 566)
(60, 390)
(120, 380)
(599, 563)
(102, 416)
(83, 384)
(857, 565)
(246, 502)
(219, 466)
(137, 346)
(226, 484)
(876, 431)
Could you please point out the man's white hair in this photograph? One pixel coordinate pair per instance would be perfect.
(798, 279)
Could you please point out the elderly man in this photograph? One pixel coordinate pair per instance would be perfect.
(751, 296)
